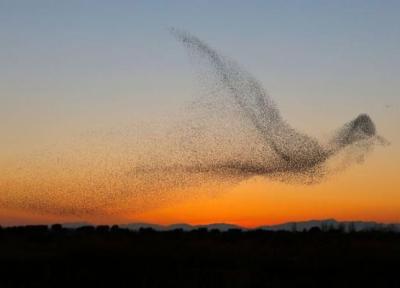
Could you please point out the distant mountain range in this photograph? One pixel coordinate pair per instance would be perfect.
(325, 224)
(183, 226)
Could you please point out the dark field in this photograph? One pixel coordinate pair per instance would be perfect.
(102, 257)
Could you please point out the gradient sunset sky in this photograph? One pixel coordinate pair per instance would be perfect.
(82, 71)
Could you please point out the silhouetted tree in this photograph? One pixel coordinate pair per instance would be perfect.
(114, 228)
(341, 228)
(351, 227)
(56, 227)
(102, 228)
(86, 229)
(314, 229)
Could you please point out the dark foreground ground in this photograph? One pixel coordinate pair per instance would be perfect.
(103, 257)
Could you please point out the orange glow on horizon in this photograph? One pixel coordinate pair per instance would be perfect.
(359, 193)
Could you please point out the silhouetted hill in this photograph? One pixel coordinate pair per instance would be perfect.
(332, 224)
(74, 225)
(325, 224)
(137, 226)
(183, 226)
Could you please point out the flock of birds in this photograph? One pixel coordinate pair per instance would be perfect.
(235, 133)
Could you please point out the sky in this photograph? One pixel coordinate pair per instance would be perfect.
(79, 71)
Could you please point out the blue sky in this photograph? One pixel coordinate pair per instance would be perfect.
(71, 65)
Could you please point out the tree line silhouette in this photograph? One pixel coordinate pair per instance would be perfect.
(104, 256)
